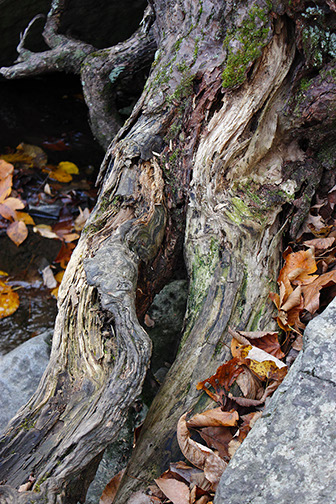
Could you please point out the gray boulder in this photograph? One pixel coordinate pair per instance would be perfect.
(20, 373)
(289, 456)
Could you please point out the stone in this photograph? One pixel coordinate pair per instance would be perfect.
(20, 373)
(289, 455)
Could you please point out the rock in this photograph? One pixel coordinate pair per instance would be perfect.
(167, 314)
(20, 373)
(289, 455)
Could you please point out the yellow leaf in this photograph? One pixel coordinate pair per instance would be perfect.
(59, 276)
(54, 292)
(25, 217)
(9, 300)
(17, 231)
(3, 273)
(60, 175)
(68, 167)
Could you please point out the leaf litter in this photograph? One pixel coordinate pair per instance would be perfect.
(33, 195)
(260, 361)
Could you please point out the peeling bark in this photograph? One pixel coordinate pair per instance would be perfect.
(226, 162)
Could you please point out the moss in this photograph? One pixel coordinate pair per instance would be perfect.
(40, 481)
(26, 425)
(251, 36)
(255, 321)
(202, 270)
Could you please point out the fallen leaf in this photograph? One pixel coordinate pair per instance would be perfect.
(6, 169)
(59, 175)
(264, 365)
(212, 417)
(266, 340)
(175, 490)
(5, 188)
(25, 217)
(36, 155)
(28, 485)
(9, 206)
(111, 488)
(68, 167)
(218, 438)
(311, 292)
(45, 231)
(200, 456)
(9, 300)
(190, 474)
(320, 243)
(249, 384)
(17, 231)
(221, 380)
(48, 278)
(81, 219)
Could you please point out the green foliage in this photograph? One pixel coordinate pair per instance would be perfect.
(251, 36)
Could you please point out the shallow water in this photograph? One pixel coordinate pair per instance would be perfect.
(49, 113)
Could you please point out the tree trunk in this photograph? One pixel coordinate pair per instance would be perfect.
(222, 154)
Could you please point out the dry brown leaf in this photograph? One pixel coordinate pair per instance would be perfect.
(175, 490)
(320, 243)
(199, 455)
(249, 384)
(215, 416)
(264, 365)
(81, 219)
(266, 340)
(111, 489)
(218, 438)
(192, 475)
(17, 231)
(311, 292)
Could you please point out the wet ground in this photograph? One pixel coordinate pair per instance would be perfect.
(49, 113)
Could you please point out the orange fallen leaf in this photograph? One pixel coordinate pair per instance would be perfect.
(9, 300)
(17, 231)
(6, 169)
(221, 380)
(200, 456)
(9, 206)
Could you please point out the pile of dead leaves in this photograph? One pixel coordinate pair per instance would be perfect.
(51, 200)
(208, 440)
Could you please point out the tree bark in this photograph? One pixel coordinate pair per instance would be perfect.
(222, 154)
